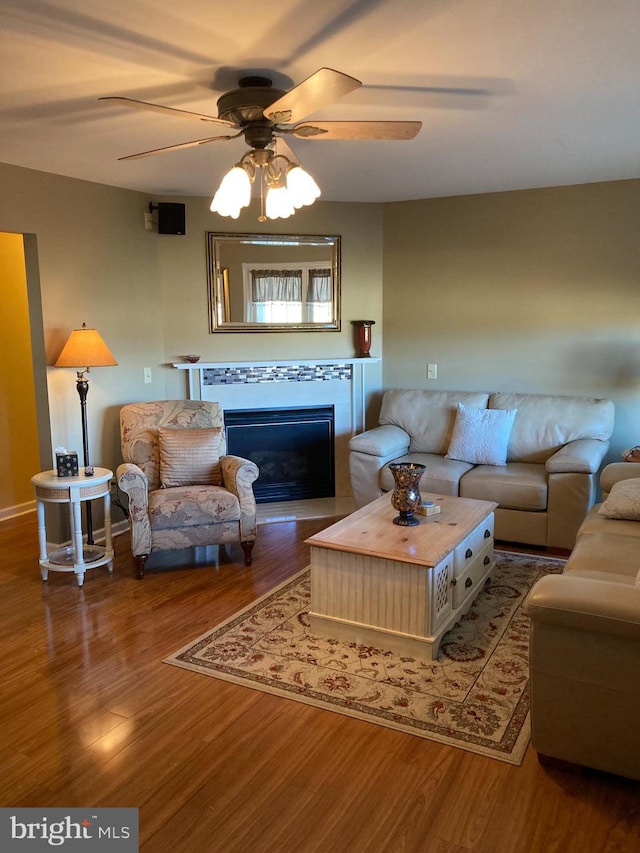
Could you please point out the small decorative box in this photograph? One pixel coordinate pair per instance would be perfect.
(67, 464)
(428, 508)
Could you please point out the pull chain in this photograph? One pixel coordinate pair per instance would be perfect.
(262, 217)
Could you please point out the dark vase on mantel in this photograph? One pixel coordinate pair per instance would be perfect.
(406, 495)
(363, 336)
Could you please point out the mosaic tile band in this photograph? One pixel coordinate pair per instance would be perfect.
(276, 373)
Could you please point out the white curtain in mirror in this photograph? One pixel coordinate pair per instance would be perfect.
(319, 296)
(287, 295)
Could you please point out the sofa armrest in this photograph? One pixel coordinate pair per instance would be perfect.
(616, 472)
(238, 476)
(134, 483)
(384, 441)
(585, 672)
(585, 604)
(583, 456)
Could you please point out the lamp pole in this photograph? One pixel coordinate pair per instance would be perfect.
(83, 350)
(83, 387)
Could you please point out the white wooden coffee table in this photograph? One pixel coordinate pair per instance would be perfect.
(400, 588)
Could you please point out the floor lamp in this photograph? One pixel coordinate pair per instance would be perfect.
(85, 349)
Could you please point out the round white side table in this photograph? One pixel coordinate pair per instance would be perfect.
(73, 491)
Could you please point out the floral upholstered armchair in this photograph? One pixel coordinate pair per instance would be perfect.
(183, 490)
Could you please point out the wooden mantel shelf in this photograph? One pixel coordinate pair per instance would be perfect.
(273, 362)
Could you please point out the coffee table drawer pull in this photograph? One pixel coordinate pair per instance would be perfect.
(487, 534)
(487, 560)
(468, 553)
(468, 583)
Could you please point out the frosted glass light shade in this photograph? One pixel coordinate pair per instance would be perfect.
(233, 194)
(85, 348)
(301, 186)
(288, 187)
(278, 204)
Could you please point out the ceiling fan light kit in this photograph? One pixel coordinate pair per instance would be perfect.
(259, 112)
(288, 186)
(302, 186)
(233, 194)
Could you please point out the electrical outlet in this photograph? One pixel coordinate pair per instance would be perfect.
(147, 375)
(432, 371)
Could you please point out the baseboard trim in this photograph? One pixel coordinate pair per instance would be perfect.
(18, 509)
(99, 537)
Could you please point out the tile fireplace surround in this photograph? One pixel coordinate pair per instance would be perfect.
(280, 384)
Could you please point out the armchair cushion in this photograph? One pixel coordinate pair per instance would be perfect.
(623, 501)
(190, 456)
(189, 506)
(481, 436)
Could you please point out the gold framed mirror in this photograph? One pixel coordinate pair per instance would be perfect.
(273, 282)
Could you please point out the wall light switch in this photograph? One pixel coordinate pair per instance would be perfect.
(432, 371)
(148, 222)
(147, 375)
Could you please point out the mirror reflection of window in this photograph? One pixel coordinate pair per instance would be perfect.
(283, 294)
(319, 296)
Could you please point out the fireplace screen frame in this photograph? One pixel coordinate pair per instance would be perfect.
(322, 463)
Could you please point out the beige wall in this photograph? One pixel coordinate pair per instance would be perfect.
(534, 291)
(182, 265)
(18, 427)
(147, 293)
(96, 266)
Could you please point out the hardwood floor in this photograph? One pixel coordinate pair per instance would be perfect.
(92, 717)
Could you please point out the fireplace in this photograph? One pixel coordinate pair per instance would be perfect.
(292, 447)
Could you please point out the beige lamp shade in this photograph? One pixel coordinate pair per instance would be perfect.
(85, 348)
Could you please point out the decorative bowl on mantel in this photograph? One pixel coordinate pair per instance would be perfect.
(192, 359)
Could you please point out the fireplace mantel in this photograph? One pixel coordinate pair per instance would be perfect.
(355, 366)
(275, 363)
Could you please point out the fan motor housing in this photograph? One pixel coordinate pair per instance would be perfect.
(248, 102)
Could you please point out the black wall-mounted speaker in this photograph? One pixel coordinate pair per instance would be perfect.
(171, 218)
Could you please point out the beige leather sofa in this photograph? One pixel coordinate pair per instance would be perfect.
(585, 643)
(555, 451)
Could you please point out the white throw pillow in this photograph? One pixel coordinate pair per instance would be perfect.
(481, 436)
(623, 500)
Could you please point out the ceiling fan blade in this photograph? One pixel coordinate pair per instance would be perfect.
(357, 129)
(158, 108)
(318, 90)
(191, 144)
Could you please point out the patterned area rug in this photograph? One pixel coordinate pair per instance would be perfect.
(474, 696)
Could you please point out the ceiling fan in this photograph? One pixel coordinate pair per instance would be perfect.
(260, 112)
(263, 114)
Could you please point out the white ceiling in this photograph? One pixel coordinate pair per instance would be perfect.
(512, 93)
